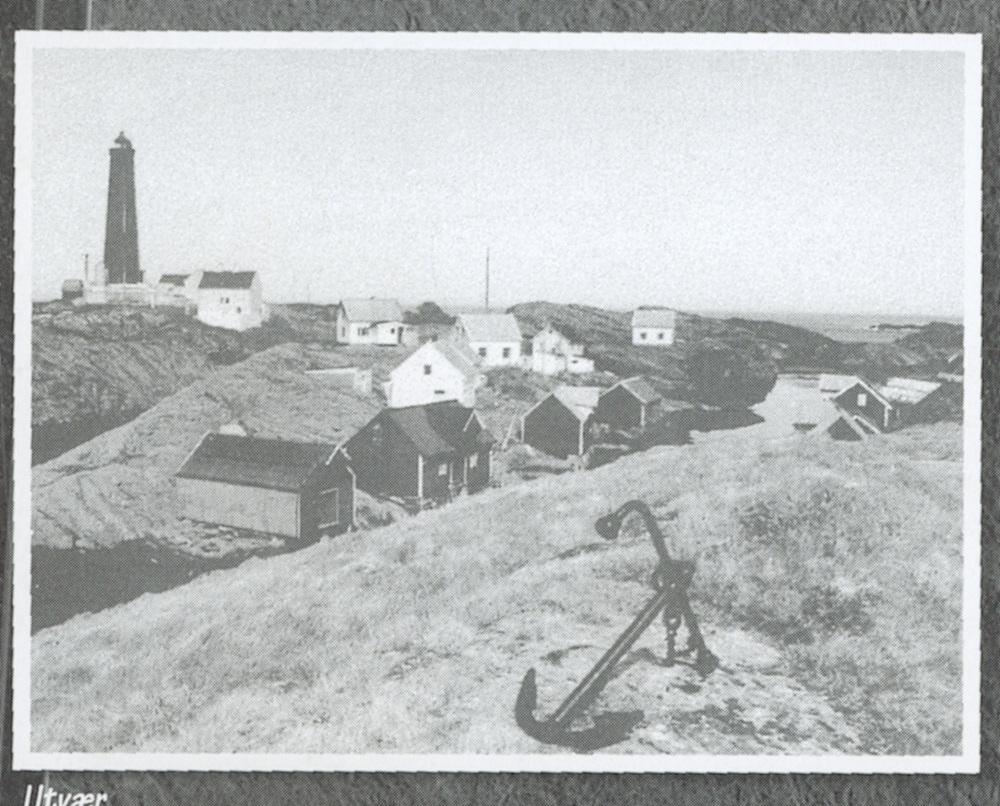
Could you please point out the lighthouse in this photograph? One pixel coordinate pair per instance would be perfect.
(121, 235)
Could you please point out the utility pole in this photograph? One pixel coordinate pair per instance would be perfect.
(487, 279)
(86, 267)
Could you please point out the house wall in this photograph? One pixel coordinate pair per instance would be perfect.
(552, 428)
(478, 476)
(380, 333)
(553, 364)
(385, 465)
(410, 385)
(272, 511)
(655, 336)
(232, 308)
(871, 407)
(840, 430)
(415, 335)
(441, 474)
(335, 476)
(491, 353)
(620, 409)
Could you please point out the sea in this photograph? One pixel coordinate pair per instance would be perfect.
(851, 327)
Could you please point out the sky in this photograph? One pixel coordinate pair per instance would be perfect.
(700, 180)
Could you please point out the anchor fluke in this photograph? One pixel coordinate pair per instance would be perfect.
(608, 729)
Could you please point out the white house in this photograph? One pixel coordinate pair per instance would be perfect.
(369, 321)
(494, 337)
(436, 371)
(552, 353)
(653, 326)
(231, 299)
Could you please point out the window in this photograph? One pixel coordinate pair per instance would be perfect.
(482, 352)
(862, 399)
(660, 335)
(642, 335)
(473, 461)
(239, 309)
(443, 469)
(506, 352)
(392, 331)
(427, 369)
(362, 331)
(438, 392)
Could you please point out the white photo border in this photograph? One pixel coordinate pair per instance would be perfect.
(969, 45)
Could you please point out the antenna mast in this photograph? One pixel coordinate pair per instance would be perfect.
(487, 279)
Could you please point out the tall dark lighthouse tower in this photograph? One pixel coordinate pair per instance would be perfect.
(121, 236)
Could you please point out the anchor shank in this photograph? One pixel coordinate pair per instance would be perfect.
(590, 686)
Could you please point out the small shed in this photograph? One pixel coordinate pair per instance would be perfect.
(422, 455)
(293, 489)
(631, 404)
(654, 327)
(562, 424)
(231, 300)
(864, 400)
(72, 289)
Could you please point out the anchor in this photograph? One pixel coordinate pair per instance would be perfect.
(671, 580)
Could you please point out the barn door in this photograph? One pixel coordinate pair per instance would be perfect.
(328, 511)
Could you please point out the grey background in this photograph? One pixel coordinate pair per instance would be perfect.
(573, 15)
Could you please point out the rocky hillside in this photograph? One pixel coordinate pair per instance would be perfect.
(720, 368)
(824, 570)
(119, 487)
(733, 362)
(95, 368)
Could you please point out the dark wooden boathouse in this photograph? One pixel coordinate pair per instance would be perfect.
(293, 489)
(422, 455)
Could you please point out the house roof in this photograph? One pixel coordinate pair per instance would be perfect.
(869, 387)
(227, 279)
(173, 279)
(459, 355)
(439, 428)
(908, 390)
(654, 317)
(548, 329)
(850, 421)
(372, 310)
(581, 400)
(490, 326)
(275, 464)
(640, 388)
(835, 383)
